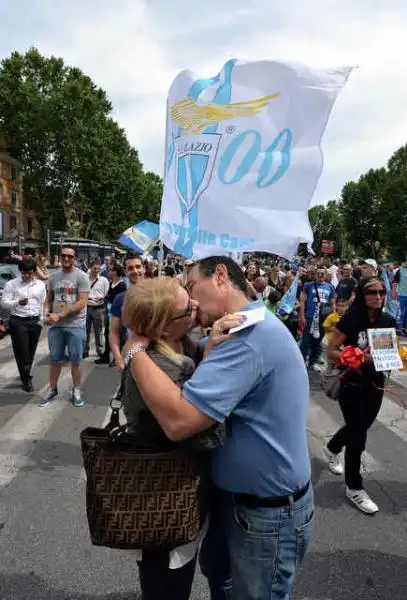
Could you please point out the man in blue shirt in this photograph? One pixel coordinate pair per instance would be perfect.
(261, 520)
(316, 302)
(134, 269)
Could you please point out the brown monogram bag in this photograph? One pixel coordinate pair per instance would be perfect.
(138, 499)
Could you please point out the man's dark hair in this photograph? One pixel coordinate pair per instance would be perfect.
(274, 297)
(68, 247)
(131, 256)
(95, 261)
(118, 269)
(28, 251)
(27, 264)
(207, 267)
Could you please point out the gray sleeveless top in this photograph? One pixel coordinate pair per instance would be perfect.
(143, 426)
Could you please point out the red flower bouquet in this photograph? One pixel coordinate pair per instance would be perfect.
(352, 357)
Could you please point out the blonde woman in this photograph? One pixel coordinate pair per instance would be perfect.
(162, 311)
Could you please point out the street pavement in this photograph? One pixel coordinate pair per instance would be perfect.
(45, 552)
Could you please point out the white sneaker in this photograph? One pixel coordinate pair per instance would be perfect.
(334, 462)
(316, 367)
(362, 501)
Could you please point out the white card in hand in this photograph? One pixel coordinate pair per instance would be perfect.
(252, 317)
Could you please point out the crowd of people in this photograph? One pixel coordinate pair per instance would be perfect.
(186, 378)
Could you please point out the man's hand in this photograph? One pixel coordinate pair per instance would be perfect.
(23, 301)
(53, 318)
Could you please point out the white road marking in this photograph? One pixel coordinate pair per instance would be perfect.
(29, 424)
(5, 342)
(9, 370)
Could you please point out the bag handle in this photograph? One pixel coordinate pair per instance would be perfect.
(116, 403)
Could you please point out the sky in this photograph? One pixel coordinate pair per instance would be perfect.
(135, 48)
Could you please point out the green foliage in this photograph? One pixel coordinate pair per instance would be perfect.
(370, 217)
(80, 172)
(361, 205)
(327, 224)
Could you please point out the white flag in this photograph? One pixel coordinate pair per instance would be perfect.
(243, 157)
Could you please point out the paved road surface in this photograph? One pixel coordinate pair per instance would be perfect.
(45, 552)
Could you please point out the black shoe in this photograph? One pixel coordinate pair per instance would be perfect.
(28, 387)
(102, 360)
(85, 354)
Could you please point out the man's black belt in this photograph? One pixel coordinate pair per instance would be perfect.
(96, 305)
(276, 502)
(24, 318)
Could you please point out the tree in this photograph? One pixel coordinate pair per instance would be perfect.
(80, 172)
(394, 206)
(327, 224)
(154, 194)
(361, 207)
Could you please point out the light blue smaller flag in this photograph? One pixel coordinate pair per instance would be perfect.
(392, 306)
(287, 303)
(140, 237)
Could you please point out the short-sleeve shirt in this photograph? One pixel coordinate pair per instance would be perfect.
(117, 305)
(116, 311)
(345, 288)
(326, 294)
(258, 381)
(354, 327)
(66, 288)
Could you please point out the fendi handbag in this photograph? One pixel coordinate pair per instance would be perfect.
(138, 499)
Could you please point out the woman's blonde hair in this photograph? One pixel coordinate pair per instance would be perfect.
(148, 308)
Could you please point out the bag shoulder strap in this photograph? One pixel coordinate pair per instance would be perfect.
(317, 292)
(116, 403)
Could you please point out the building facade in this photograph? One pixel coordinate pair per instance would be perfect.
(18, 226)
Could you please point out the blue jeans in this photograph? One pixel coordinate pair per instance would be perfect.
(403, 311)
(258, 549)
(311, 346)
(66, 339)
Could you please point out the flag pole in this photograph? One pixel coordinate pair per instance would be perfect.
(160, 243)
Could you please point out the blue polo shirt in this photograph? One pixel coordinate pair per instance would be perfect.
(258, 380)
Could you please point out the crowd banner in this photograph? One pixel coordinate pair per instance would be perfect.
(287, 303)
(140, 237)
(392, 306)
(243, 157)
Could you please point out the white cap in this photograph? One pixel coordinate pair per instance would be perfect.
(371, 262)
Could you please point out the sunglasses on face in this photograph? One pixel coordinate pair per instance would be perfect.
(67, 256)
(187, 312)
(381, 293)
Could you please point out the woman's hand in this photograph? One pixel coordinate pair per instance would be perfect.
(368, 358)
(220, 330)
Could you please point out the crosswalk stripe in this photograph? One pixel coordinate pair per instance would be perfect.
(5, 342)
(10, 371)
(29, 424)
(321, 427)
